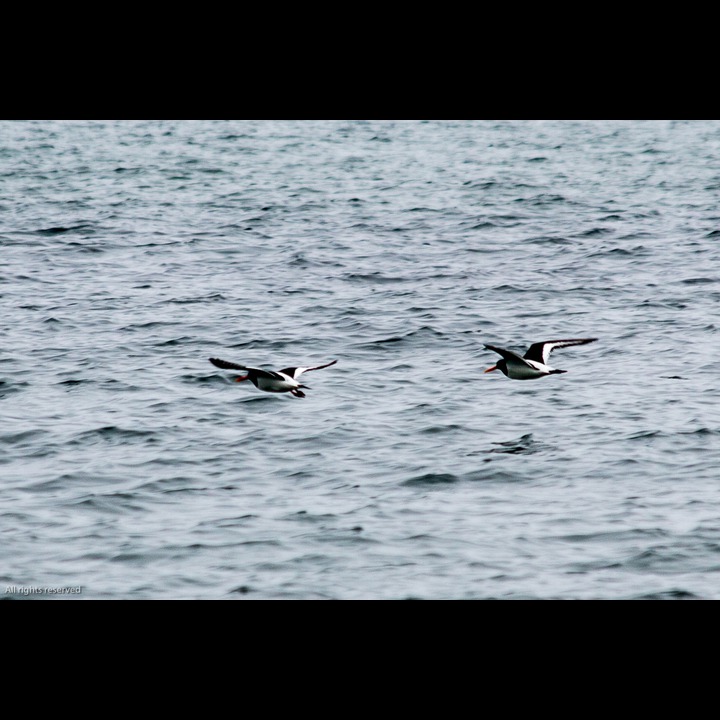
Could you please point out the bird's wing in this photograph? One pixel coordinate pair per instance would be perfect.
(507, 354)
(540, 352)
(225, 365)
(296, 372)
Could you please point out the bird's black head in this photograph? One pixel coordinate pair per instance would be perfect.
(251, 376)
(500, 365)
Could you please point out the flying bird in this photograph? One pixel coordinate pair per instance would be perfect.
(534, 364)
(279, 381)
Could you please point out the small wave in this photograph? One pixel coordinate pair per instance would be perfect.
(432, 479)
(8, 388)
(85, 248)
(646, 435)
(702, 431)
(241, 590)
(494, 475)
(112, 433)
(116, 502)
(549, 240)
(512, 288)
(624, 252)
(183, 340)
(436, 429)
(421, 334)
(670, 304)
(480, 184)
(17, 438)
(209, 378)
(148, 325)
(486, 474)
(524, 445)
(669, 595)
(265, 398)
(114, 385)
(374, 277)
(542, 199)
(213, 297)
(300, 260)
(71, 383)
(659, 559)
(595, 232)
(604, 536)
(60, 229)
(699, 281)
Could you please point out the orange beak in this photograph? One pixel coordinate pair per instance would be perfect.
(490, 369)
(240, 378)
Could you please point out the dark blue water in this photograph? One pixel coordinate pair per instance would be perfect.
(131, 252)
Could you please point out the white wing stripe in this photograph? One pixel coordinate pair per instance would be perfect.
(550, 346)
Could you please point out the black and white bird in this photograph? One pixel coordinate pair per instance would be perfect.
(534, 363)
(279, 381)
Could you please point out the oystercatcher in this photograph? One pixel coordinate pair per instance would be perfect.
(534, 364)
(280, 381)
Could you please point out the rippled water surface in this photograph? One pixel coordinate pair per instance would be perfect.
(131, 252)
